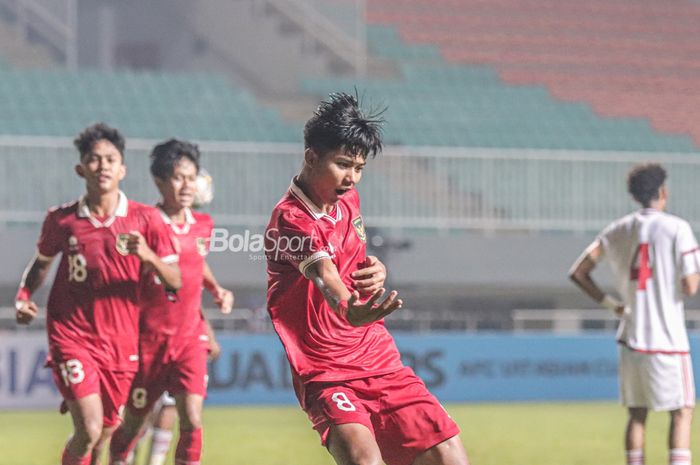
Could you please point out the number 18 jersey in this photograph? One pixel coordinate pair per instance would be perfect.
(93, 304)
(650, 252)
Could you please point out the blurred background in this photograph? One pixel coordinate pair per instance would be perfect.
(511, 125)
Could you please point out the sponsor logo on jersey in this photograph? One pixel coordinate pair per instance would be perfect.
(122, 240)
(359, 226)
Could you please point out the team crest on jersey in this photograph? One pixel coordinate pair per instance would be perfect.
(122, 239)
(201, 245)
(72, 244)
(359, 226)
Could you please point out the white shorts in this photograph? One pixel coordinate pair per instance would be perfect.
(661, 382)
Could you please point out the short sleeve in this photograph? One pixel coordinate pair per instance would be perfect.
(160, 238)
(301, 243)
(52, 237)
(687, 250)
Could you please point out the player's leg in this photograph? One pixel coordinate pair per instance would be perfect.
(126, 436)
(353, 444)
(415, 428)
(189, 446)
(165, 416)
(138, 399)
(679, 436)
(87, 416)
(188, 383)
(450, 452)
(634, 435)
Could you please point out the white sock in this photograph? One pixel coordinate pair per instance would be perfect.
(679, 457)
(160, 444)
(635, 457)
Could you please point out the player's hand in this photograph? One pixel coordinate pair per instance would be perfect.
(214, 349)
(136, 245)
(27, 310)
(224, 299)
(370, 278)
(361, 314)
(620, 311)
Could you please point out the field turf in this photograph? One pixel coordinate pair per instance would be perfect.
(494, 434)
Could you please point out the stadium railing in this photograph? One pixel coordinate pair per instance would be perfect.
(436, 189)
(559, 321)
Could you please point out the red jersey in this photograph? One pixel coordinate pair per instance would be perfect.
(320, 345)
(179, 314)
(93, 300)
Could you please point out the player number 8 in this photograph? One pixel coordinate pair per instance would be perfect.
(342, 401)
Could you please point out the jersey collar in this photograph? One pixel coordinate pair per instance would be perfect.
(189, 221)
(311, 207)
(121, 211)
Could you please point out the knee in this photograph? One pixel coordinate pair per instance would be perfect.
(88, 435)
(369, 459)
(638, 415)
(192, 419)
(682, 415)
(449, 451)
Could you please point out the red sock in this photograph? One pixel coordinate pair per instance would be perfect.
(70, 459)
(189, 447)
(121, 446)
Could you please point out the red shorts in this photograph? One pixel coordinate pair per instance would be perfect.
(169, 364)
(405, 418)
(77, 375)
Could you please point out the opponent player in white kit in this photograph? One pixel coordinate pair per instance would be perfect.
(655, 259)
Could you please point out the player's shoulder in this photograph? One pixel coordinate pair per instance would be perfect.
(203, 218)
(290, 213)
(622, 223)
(139, 209)
(63, 210)
(673, 224)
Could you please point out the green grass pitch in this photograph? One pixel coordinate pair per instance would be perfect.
(494, 434)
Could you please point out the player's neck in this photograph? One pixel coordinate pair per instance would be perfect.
(176, 213)
(307, 188)
(102, 204)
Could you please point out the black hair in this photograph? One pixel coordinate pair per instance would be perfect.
(96, 132)
(165, 156)
(339, 124)
(644, 181)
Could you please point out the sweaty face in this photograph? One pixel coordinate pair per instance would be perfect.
(336, 173)
(178, 190)
(102, 168)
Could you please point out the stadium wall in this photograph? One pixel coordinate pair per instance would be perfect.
(456, 367)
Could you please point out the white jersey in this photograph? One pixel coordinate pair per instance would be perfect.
(650, 252)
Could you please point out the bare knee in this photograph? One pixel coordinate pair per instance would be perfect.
(683, 415)
(638, 415)
(87, 435)
(190, 408)
(353, 444)
(449, 452)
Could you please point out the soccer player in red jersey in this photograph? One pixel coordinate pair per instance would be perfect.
(348, 376)
(174, 335)
(106, 242)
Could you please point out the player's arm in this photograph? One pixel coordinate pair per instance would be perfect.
(580, 274)
(370, 278)
(214, 347)
(325, 277)
(222, 297)
(169, 273)
(690, 284)
(32, 279)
